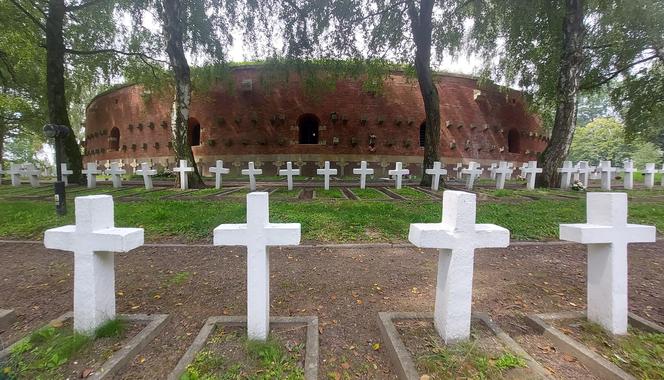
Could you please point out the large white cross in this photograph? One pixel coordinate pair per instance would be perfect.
(584, 172)
(116, 173)
(251, 172)
(607, 234)
(649, 176)
(15, 174)
(628, 177)
(566, 174)
(91, 174)
(65, 173)
(363, 171)
(32, 173)
(327, 172)
(218, 171)
(473, 171)
(257, 235)
(183, 169)
(492, 172)
(456, 237)
(289, 172)
(606, 171)
(503, 171)
(93, 240)
(398, 172)
(146, 172)
(436, 172)
(530, 170)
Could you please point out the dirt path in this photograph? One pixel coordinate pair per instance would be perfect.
(345, 288)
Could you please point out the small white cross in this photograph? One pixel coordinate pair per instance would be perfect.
(257, 235)
(607, 234)
(530, 170)
(456, 237)
(134, 165)
(398, 173)
(502, 171)
(628, 177)
(566, 174)
(606, 171)
(32, 173)
(492, 168)
(251, 172)
(584, 172)
(91, 174)
(327, 172)
(183, 169)
(116, 174)
(473, 171)
(146, 172)
(289, 172)
(65, 173)
(363, 171)
(436, 172)
(218, 171)
(93, 240)
(649, 176)
(457, 169)
(15, 174)
(662, 171)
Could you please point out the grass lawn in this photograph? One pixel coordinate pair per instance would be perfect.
(369, 193)
(284, 193)
(410, 193)
(332, 193)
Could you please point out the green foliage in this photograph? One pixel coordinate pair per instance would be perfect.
(110, 329)
(509, 360)
(179, 278)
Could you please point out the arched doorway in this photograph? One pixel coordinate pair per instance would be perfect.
(194, 132)
(114, 139)
(307, 125)
(513, 143)
(423, 128)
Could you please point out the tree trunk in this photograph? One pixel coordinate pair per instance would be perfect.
(421, 28)
(55, 85)
(567, 91)
(173, 32)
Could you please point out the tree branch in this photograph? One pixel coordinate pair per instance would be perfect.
(30, 15)
(74, 8)
(608, 78)
(143, 56)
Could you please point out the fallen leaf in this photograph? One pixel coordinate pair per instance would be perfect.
(425, 377)
(569, 358)
(86, 373)
(141, 360)
(56, 323)
(157, 296)
(375, 346)
(345, 365)
(120, 294)
(135, 307)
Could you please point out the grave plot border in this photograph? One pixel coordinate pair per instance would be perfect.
(599, 366)
(311, 346)
(7, 318)
(122, 357)
(402, 360)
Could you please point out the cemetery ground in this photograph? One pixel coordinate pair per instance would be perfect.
(344, 285)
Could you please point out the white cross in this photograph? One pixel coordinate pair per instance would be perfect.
(218, 171)
(628, 170)
(91, 173)
(146, 172)
(649, 176)
(492, 168)
(251, 172)
(502, 171)
(134, 165)
(116, 174)
(456, 237)
(257, 235)
(65, 173)
(398, 173)
(327, 172)
(566, 174)
(93, 240)
(607, 234)
(436, 172)
(457, 169)
(662, 171)
(183, 169)
(15, 174)
(511, 166)
(575, 175)
(363, 171)
(584, 172)
(473, 171)
(606, 171)
(289, 172)
(530, 170)
(32, 173)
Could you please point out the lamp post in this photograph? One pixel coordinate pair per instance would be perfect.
(58, 132)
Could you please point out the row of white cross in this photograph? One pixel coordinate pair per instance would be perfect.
(94, 239)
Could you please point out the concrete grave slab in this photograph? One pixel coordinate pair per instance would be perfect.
(311, 348)
(402, 360)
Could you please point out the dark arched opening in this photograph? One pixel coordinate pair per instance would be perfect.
(114, 139)
(423, 129)
(513, 143)
(308, 128)
(194, 132)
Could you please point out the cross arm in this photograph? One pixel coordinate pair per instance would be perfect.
(59, 238)
(432, 235)
(230, 234)
(283, 234)
(490, 236)
(116, 239)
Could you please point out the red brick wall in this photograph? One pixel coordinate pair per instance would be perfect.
(261, 124)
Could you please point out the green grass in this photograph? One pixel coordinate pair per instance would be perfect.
(46, 350)
(282, 193)
(332, 193)
(410, 193)
(179, 278)
(369, 193)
